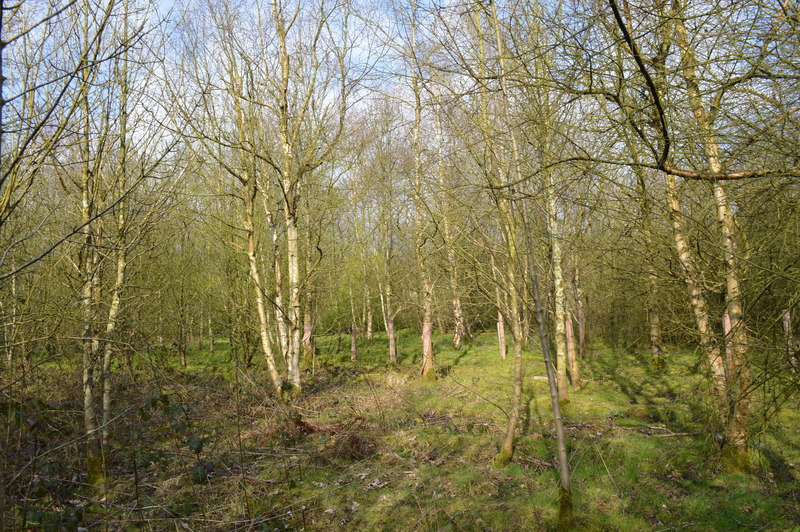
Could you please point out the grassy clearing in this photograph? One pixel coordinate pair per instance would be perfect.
(369, 448)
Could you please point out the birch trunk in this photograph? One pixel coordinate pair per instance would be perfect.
(277, 265)
(308, 331)
(89, 273)
(369, 317)
(565, 489)
(558, 289)
(654, 320)
(120, 255)
(258, 290)
(353, 330)
(708, 342)
(250, 188)
(499, 303)
(428, 361)
(737, 342)
(509, 225)
(290, 182)
(459, 321)
(210, 337)
(572, 355)
(580, 315)
(110, 337)
(789, 338)
(295, 321)
(392, 341)
(388, 320)
(308, 307)
(501, 331)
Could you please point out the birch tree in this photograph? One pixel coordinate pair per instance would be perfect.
(717, 91)
(287, 79)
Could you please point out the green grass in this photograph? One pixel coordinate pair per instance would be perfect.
(373, 448)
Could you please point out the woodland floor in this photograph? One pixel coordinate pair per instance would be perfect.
(371, 448)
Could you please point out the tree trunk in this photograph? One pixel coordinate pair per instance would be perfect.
(308, 306)
(110, 339)
(249, 192)
(501, 334)
(182, 346)
(708, 342)
(654, 320)
(95, 466)
(280, 309)
(788, 334)
(201, 337)
(459, 321)
(501, 326)
(308, 333)
(121, 253)
(89, 265)
(790, 340)
(572, 356)
(295, 321)
(392, 341)
(368, 307)
(427, 369)
(565, 491)
(210, 337)
(560, 317)
(353, 329)
(579, 313)
(290, 177)
(738, 372)
(506, 207)
(388, 316)
(736, 344)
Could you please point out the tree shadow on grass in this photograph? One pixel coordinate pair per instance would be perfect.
(464, 352)
(404, 358)
(531, 414)
(652, 393)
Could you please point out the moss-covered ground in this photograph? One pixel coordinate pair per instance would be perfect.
(368, 447)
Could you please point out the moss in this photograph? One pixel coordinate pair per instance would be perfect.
(429, 375)
(735, 460)
(289, 392)
(564, 509)
(659, 364)
(95, 473)
(503, 458)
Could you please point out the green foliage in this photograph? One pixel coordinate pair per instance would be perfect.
(195, 444)
(201, 471)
